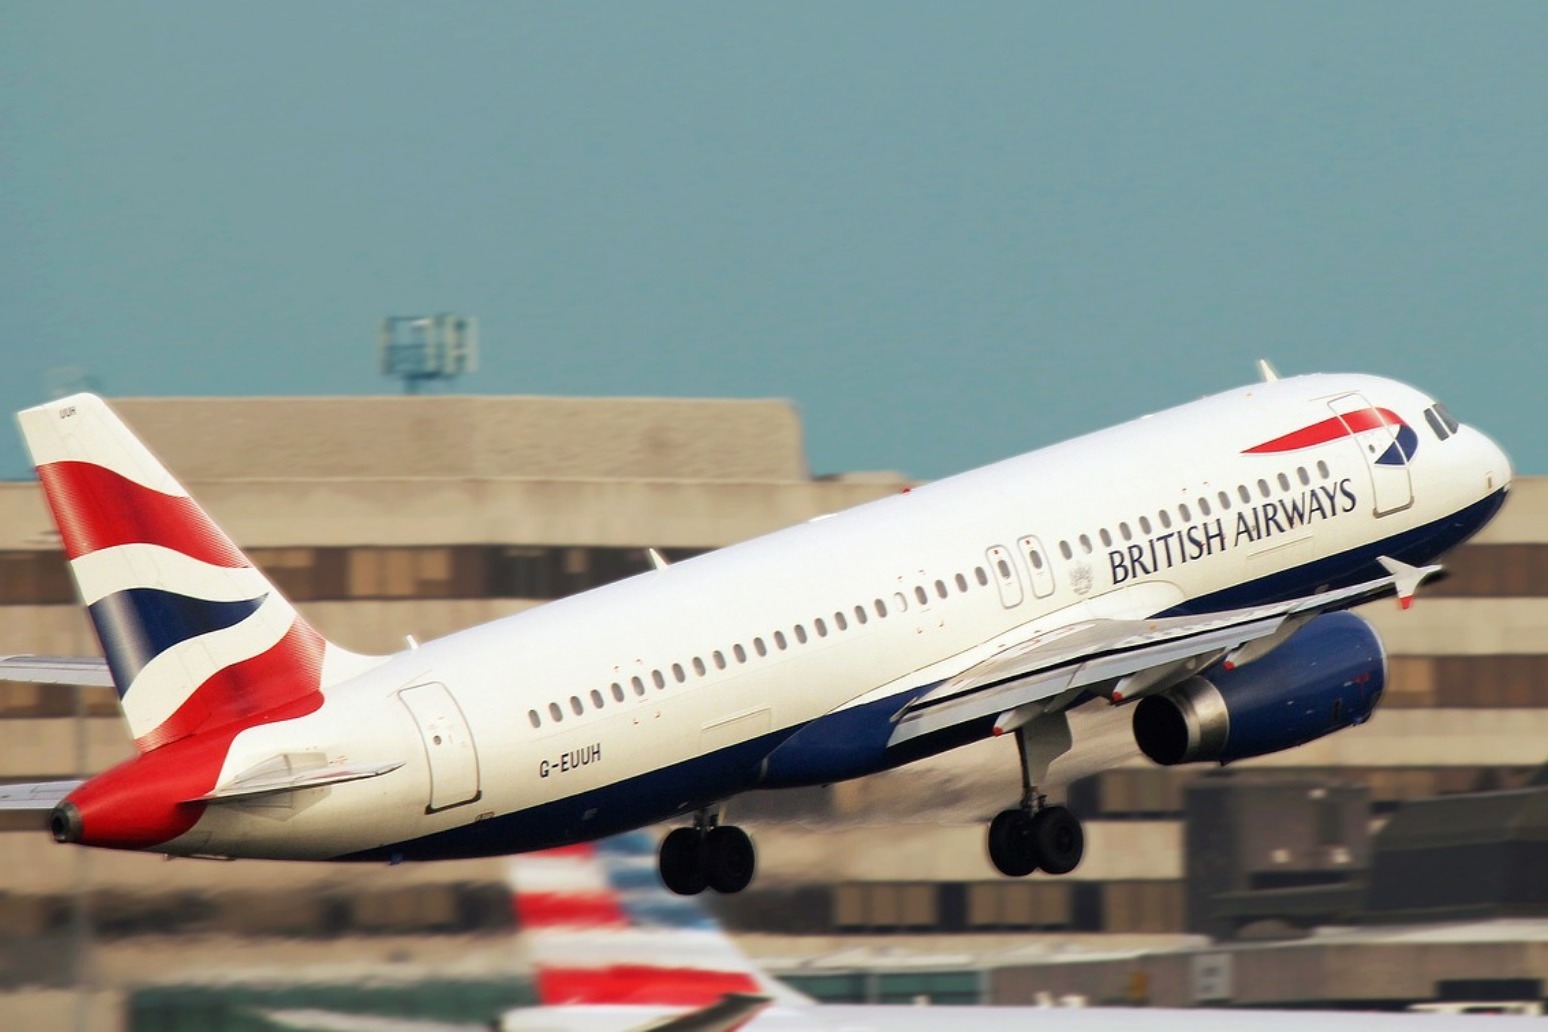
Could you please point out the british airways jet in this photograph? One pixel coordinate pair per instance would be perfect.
(1193, 565)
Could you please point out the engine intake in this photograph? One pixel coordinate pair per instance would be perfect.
(1327, 676)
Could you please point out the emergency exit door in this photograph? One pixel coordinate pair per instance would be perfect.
(450, 754)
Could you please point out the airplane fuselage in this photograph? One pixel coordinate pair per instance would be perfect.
(674, 689)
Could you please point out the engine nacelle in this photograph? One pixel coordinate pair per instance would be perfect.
(1325, 677)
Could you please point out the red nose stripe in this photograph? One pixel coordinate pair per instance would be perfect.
(1330, 429)
(97, 508)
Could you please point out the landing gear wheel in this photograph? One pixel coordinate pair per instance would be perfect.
(682, 862)
(1012, 843)
(1059, 839)
(728, 859)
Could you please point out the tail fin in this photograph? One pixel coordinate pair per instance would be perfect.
(600, 929)
(195, 636)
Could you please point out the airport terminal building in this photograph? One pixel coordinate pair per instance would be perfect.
(390, 517)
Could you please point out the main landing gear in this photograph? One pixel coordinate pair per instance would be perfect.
(1034, 835)
(707, 855)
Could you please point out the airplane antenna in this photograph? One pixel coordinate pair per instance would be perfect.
(1266, 371)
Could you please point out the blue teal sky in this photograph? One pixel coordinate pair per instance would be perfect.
(949, 232)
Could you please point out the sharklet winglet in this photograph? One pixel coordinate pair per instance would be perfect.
(1405, 578)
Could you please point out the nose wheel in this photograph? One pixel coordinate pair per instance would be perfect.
(707, 855)
(1035, 836)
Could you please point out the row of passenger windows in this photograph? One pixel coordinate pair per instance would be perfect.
(1163, 519)
(779, 641)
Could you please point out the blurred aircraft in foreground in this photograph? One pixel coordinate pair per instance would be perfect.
(610, 950)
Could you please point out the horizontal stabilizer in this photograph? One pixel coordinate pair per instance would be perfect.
(292, 773)
(40, 795)
(727, 1014)
(83, 670)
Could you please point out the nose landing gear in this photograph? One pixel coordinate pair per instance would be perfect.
(1034, 835)
(707, 855)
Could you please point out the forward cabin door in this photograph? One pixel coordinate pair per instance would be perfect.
(1385, 449)
(1040, 565)
(1002, 567)
(449, 750)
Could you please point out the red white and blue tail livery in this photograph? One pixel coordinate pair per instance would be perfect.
(1192, 565)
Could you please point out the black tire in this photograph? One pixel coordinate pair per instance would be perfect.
(682, 862)
(1012, 846)
(1060, 840)
(729, 860)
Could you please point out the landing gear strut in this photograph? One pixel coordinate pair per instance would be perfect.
(1035, 835)
(707, 855)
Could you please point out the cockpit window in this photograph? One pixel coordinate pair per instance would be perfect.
(1445, 417)
(1436, 424)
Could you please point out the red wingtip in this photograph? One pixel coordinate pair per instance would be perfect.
(1406, 601)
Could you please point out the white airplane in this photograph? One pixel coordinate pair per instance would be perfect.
(1192, 563)
(608, 950)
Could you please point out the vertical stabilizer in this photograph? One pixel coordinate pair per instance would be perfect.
(195, 636)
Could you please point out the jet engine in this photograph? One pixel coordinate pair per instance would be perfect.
(1326, 676)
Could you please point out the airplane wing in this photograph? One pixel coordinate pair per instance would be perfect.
(91, 671)
(1122, 659)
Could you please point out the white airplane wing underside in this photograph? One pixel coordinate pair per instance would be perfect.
(91, 671)
(1123, 659)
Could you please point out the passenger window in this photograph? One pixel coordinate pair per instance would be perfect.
(575, 704)
(1107, 539)
(555, 712)
(1065, 550)
(1124, 532)
(940, 589)
(962, 584)
(860, 614)
(1284, 482)
(1244, 494)
(881, 608)
(760, 648)
(980, 576)
(677, 672)
(1004, 568)
(637, 685)
(1303, 476)
(657, 678)
(618, 692)
(698, 666)
(900, 600)
(1322, 470)
(1144, 525)
(720, 659)
(839, 622)
(534, 719)
(1085, 544)
(1165, 518)
(919, 593)
(1182, 511)
(820, 627)
(1203, 506)
(800, 634)
(779, 641)
(1263, 488)
(1225, 500)
(596, 698)
(739, 652)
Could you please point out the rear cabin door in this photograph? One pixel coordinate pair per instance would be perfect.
(448, 741)
(1386, 448)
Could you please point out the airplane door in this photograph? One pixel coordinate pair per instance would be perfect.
(1385, 451)
(1039, 563)
(449, 748)
(1003, 569)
